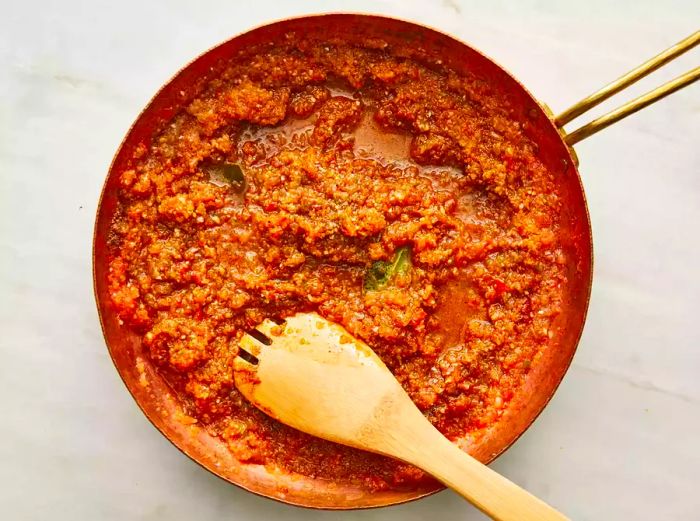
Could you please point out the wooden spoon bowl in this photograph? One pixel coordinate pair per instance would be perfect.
(316, 377)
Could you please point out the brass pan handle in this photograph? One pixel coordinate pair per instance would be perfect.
(624, 81)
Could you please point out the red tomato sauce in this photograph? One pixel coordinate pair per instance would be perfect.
(394, 197)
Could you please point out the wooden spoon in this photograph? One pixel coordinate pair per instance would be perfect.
(314, 376)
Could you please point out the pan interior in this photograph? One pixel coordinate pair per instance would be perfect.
(155, 396)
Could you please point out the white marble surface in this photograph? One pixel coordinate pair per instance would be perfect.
(619, 440)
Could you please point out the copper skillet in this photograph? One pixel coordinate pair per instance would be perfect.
(156, 399)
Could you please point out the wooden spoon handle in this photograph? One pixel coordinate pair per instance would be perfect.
(493, 494)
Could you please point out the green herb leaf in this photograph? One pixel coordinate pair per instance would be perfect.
(232, 172)
(382, 274)
(228, 173)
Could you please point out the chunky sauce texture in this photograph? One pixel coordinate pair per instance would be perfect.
(394, 197)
